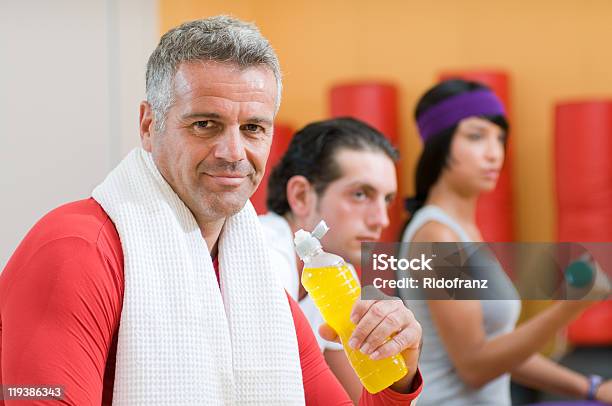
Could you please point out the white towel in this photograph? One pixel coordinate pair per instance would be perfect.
(182, 340)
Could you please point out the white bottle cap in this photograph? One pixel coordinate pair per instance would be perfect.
(320, 230)
(306, 243)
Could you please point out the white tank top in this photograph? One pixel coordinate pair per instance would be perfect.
(444, 386)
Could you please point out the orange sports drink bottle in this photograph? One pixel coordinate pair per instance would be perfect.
(334, 290)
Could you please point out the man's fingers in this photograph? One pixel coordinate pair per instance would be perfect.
(328, 333)
(360, 308)
(408, 338)
(391, 324)
(375, 314)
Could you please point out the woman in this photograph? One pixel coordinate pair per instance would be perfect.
(471, 347)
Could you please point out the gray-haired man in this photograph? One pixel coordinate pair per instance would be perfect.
(158, 289)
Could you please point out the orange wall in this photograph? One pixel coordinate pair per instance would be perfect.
(553, 49)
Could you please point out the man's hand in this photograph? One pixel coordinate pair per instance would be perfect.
(375, 321)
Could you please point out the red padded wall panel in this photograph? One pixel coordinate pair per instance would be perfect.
(583, 168)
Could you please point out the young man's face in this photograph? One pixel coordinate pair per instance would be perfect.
(355, 205)
(217, 137)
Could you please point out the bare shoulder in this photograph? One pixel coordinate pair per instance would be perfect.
(434, 231)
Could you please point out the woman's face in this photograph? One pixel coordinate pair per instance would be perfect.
(476, 156)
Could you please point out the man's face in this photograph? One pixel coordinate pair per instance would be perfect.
(217, 136)
(355, 205)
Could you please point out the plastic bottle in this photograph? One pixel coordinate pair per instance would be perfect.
(334, 290)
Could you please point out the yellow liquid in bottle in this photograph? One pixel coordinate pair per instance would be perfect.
(334, 291)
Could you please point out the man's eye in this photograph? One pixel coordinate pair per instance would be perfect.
(474, 136)
(253, 128)
(360, 195)
(203, 124)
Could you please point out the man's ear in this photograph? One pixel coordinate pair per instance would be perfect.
(146, 125)
(301, 196)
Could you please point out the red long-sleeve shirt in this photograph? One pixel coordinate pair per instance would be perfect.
(61, 295)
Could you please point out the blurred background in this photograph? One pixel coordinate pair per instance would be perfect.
(72, 75)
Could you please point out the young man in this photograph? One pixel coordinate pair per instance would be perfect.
(342, 171)
(159, 290)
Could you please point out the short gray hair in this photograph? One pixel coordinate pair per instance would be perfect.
(220, 39)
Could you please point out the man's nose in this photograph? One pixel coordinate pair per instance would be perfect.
(230, 146)
(378, 216)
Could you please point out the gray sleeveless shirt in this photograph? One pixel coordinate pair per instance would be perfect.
(443, 384)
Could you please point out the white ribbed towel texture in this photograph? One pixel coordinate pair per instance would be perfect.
(182, 340)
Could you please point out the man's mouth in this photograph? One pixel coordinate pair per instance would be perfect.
(227, 179)
(367, 238)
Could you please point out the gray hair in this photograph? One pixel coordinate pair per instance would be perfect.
(220, 39)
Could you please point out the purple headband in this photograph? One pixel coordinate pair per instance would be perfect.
(481, 102)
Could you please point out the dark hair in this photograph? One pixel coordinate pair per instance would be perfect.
(436, 150)
(312, 153)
